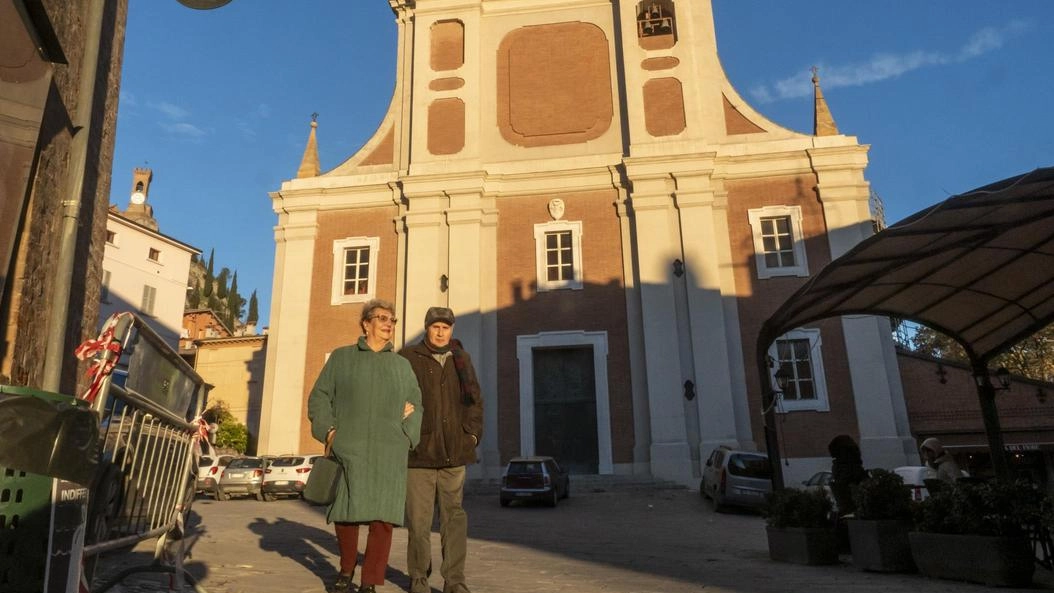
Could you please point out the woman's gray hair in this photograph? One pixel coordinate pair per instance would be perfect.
(372, 305)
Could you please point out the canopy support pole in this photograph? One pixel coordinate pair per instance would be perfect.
(990, 415)
(768, 406)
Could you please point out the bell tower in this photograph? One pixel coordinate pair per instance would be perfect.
(138, 209)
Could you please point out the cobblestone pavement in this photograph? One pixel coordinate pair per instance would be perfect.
(644, 541)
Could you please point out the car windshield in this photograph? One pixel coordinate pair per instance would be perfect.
(205, 462)
(287, 461)
(749, 466)
(245, 462)
(519, 469)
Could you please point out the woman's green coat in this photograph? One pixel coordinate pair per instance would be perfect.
(362, 394)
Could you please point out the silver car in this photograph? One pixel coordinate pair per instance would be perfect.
(243, 476)
(736, 478)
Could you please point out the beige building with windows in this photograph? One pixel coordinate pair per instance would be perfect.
(610, 221)
(144, 271)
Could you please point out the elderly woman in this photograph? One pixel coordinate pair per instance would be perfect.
(366, 405)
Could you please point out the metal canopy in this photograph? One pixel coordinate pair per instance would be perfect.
(978, 267)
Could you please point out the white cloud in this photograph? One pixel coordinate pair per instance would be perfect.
(886, 66)
(184, 129)
(263, 110)
(127, 99)
(170, 110)
(246, 129)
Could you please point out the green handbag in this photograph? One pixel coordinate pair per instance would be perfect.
(324, 479)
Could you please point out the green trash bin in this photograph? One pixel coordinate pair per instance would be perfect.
(42, 517)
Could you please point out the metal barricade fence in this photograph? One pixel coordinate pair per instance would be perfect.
(147, 468)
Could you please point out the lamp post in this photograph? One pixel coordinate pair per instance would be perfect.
(769, 397)
(203, 4)
(990, 416)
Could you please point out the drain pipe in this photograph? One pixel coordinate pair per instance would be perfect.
(58, 314)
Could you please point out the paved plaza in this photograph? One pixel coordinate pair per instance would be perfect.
(635, 541)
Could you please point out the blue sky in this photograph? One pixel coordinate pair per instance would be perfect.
(949, 94)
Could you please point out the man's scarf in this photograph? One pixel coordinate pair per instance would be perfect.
(463, 366)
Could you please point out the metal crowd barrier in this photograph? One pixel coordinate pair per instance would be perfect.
(149, 402)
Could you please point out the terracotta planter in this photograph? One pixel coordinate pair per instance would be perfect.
(881, 545)
(994, 561)
(803, 545)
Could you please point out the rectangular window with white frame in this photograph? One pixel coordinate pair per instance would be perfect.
(354, 269)
(558, 255)
(149, 298)
(797, 354)
(779, 245)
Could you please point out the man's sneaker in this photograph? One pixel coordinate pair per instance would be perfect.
(368, 589)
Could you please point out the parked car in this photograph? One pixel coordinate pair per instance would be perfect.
(286, 475)
(209, 469)
(736, 478)
(243, 476)
(534, 478)
(821, 481)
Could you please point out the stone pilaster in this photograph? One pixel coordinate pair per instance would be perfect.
(284, 389)
(658, 246)
(882, 419)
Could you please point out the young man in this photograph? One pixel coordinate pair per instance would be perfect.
(451, 429)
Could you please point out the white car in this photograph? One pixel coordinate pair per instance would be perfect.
(210, 467)
(286, 475)
(821, 482)
(915, 477)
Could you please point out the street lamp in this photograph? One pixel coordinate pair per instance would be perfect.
(203, 4)
(782, 379)
(1002, 375)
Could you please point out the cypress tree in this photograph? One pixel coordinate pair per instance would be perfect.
(254, 313)
(194, 296)
(221, 283)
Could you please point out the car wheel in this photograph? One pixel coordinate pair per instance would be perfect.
(567, 490)
(218, 494)
(719, 507)
(702, 489)
(504, 502)
(553, 499)
(269, 497)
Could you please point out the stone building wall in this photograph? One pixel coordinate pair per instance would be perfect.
(27, 301)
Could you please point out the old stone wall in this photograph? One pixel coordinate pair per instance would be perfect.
(25, 310)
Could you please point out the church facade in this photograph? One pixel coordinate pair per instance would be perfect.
(611, 223)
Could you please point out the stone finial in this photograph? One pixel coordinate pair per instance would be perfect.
(309, 165)
(823, 121)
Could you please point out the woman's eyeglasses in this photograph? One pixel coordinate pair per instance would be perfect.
(385, 319)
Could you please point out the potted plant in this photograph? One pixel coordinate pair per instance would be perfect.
(978, 532)
(799, 527)
(878, 532)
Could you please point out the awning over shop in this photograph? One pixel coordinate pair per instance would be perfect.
(978, 267)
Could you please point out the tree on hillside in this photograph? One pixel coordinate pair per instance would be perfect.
(221, 283)
(194, 296)
(234, 300)
(254, 313)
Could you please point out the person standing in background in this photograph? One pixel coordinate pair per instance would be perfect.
(940, 462)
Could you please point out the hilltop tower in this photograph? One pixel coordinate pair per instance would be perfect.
(139, 210)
